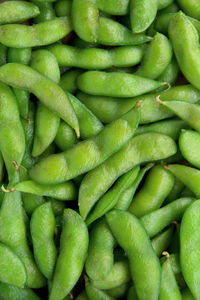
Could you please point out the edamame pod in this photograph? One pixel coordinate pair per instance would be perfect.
(35, 35)
(110, 199)
(185, 42)
(126, 197)
(189, 241)
(97, 58)
(68, 80)
(188, 112)
(63, 8)
(3, 54)
(85, 19)
(73, 249)
(31, 202)
(170, 127)
(47, 12)
(13, 234)
(164, 4)
(140, 149)
(10, 292)
(143, 261)
(48, 92)
(21, 56)
(156, 58)
(188, 140)
(12, 139)
(175, 191)
(169, 289)
(100, 259)
(157, 220)
(113, 7)
(189, 176)
(17, 11)
(116, 84)
(171, 73)
(156, 188)
(162, 241)
(112, 33)
(87, 154)
(119, 291)
(94, 293)
(65, 137)
(119, 274)
(42, 226)
(12, 269)
(62, 191)
(191, 8)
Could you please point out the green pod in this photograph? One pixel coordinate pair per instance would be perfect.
(1, 167)
(119, 274)
(112, 33)
(94, 293)
(63, 8)
(88, 122)
(189, 241)
(119, 291)
(188, 140)
(170, 127)
(12, 139)
(10, 292)
(164, 3)
(116, 84)
(73, 249)
(175, 191)
(47, 12)
(186, 192)
(97, 58)
(140, 149)
(85, 19)
(68, 80)
(162, 241)
(28, 126)
(47, 91)
(113, 7)
(185, 42)
(100, 259)
(65, 137)
(46, 122)
(31, 202)
(132, 294)
(191, 8)
(170, 74)
(62, 191)
(87, 154)
(142, 14)
(174, 261)
(156, 58)
(159, 219)
(151, 196)
(3, 55)
(189, 176)
(21, 56)
(169, 289)
(126, 197)
(126, 228)
(35, 35)
(42, 226)
(17, 11)
(108, 109)
(186, 295)
(188, 112)
(13, 234)
(110, 199)
(12, 269)
(82, 296)
(57, 206)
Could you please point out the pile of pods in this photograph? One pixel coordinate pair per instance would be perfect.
(100, 150)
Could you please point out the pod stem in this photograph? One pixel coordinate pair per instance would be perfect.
(7, 190)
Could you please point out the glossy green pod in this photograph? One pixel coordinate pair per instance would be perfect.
(35, 35)
(151, 196)
(42, 226)
(191, 8)
(87, 154)
(157, 220)
(65, 136)
(17, 11)
(10, 292)
(63, 8)
(73, 249)
(190, 140)
(140, 149)
(125, 228)
(189, 241)
(156, 58)
(47, 91)
(162, 241)
(116, 84)
(47, 12)
(68, 80)
(170, 74)
(94, 293)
